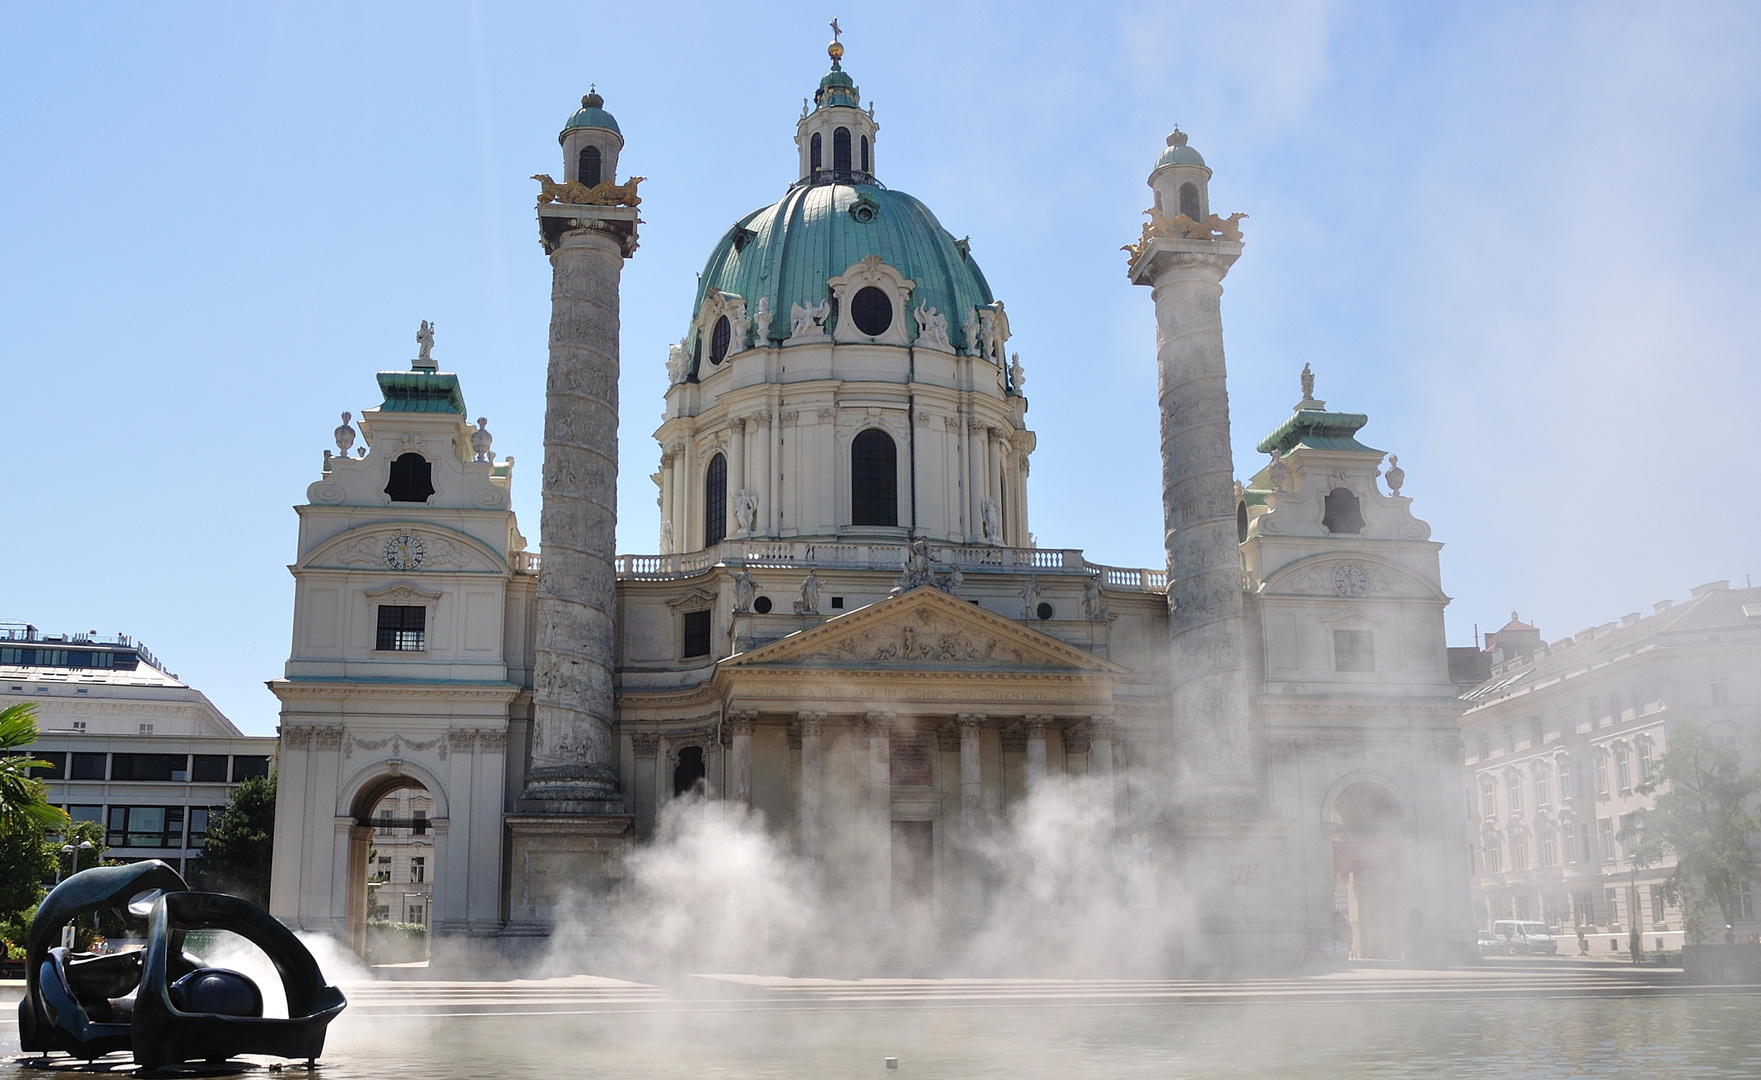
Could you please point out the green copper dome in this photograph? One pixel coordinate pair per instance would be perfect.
(1178, 153)
(591, 114)
(788, 251)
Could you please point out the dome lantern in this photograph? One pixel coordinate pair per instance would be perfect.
(1181, 180)
(591, 141)
(835, 138)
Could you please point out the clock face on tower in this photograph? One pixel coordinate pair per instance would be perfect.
(403, 552)
(1350, 580)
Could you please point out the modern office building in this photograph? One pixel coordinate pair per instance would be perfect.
(129, 744)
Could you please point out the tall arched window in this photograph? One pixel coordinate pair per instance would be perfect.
(841, 150)
(816, 157)
(865, 153)
(715, 501)
(587, 166)
(874, 479)
(1189, 200)
(412, 479)
(689, 775)
(1342, 513)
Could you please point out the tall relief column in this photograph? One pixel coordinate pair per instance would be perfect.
(1183, 255)
(570, 821)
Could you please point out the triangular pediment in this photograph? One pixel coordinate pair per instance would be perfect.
(923, 629)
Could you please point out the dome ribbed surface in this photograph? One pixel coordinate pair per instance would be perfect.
(793, 247)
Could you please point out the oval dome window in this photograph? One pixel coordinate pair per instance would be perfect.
(718, 341)
(873, 311)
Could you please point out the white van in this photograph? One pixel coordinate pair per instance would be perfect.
(1525, 938)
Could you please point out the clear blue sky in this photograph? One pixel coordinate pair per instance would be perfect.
(1522, 237)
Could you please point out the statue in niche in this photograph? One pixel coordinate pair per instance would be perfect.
(761, 320)
(746, 511)
(987, 334)
(809, 602)
(1017, 376)
(345, 435)
(666, 538)
(481, 440)
(740, 324)
(1030, 595)
(425, 344)
(1136, 868)
(675, 363)
(744, 588)
(993, 523)
(1094, 604)
(932, 329)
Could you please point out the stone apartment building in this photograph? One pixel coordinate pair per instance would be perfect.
(1558, 740)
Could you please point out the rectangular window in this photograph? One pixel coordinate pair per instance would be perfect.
(1571, 840)
(1623, 768)
(57, 760)
(1583, 908)
(1584, 851)
(209, 769)
(696, 634)
(1657, 905)
(1510, 738)
(1745, 900)
(1612, 898)
(1494, 858)
(1549, 849)
(1605, 829)
(1601, 773)
(245, 766)
(1627, 835)
(1614, 708)
(90, 766)
(1485, 743)
(416, 913)
(384, 828)
(1513, 786)
(1720, 689)
(402, 628)
(1565, 774)
(1519, 854)
(419, 869)
(1488, 798)
(1644, 761)
(79, 727)
(85, 813)
(1543, 787)
(145, 827)
(200, 816)
(164, 767)
(1353, 650)
(418, 823)
(146, 729)
(1535, 732)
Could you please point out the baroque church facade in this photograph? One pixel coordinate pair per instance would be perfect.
(847, 627)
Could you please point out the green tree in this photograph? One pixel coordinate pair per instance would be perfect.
(24, 800)
(1702, 816)
(235, 856)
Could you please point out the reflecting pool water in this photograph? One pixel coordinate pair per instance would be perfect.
(1475, 1035)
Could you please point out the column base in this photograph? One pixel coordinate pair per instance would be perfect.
(562, 866)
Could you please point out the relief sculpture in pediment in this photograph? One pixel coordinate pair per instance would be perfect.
(924, 638)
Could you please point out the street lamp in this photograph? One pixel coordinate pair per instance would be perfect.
(74, 850)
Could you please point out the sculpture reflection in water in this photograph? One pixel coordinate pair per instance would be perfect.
(160, 1003)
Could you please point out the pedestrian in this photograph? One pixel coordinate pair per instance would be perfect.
(1636, 942)
(1583, 942)
(1730, 935)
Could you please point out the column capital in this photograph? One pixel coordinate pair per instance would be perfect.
(1102, 728)
(811, 723)
(970, 724)
(1037, 725)
(644, 742)
(879, 724)
(740, 722)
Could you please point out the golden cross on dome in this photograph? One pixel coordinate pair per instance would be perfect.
(836, 30)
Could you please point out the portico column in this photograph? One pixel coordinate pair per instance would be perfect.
(759, 481)
(971, 807)
(663, 785)
(1036, 751)
(739, 726)
(812, 779)
(974, 485)
(668, 543)
(642, 747)
(993, 488)
(1100, 764)
(880, 811)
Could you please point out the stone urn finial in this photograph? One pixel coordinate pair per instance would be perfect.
(345, 435)
(1396, 476)
(481, 440)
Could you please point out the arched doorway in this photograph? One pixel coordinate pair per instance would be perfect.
(1368, 870)
(392, 869)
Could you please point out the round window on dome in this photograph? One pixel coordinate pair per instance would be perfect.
(873, 311)
(718, 340)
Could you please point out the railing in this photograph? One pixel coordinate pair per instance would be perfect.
(881, 555)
